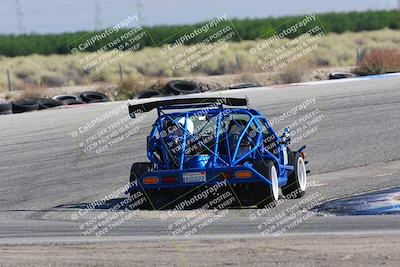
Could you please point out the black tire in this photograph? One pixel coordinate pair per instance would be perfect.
(97, 101)
(24, 106)
(182, 87)
(137, 170)
(7, 112)
(243, 85)
(93, 97)
(264, 193)
(73, 102)
(340, 75)
(293, 188)
(5, 108)
(65, 97)
(49, 103)
(148, 94)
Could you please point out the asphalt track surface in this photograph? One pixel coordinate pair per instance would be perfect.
(46, 177)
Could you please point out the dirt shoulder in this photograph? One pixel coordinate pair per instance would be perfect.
(326, 250)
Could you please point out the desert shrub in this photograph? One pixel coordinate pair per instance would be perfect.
(52, 80)
(158, 84)
(293, 73)
(247, 77)
(127, 88)
(378, 61)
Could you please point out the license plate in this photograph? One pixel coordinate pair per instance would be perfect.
(194, 177)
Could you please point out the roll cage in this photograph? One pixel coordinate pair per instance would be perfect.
(219, 152)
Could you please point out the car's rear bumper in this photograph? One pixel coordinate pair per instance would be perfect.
(211, 176)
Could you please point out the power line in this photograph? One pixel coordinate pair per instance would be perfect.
(20, 16)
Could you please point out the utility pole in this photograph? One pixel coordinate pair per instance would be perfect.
(20, 16)
(398, 9)
(97, 15)
(139, 6)
(9, 80)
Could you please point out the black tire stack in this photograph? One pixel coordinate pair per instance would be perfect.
(176, 87)
(148, 94)
(24, 106)
(341, 75)
(66, 99)
(93, 97)
(5, 108)
(179, 87)
(243, 85)
(49, 103)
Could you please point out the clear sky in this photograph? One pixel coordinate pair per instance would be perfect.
(57, 16)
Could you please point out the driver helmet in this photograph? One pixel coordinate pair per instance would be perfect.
(189, 124)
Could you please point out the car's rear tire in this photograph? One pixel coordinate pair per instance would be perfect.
(266, 194)
(137, 170)
(297, 180)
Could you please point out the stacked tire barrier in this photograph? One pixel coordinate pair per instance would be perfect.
(243, 85)
(341, 75)
(26, 105)
(93, 97)
(148, 94)
(49, 103)
(5, 108)
(64, 98)
(178, 87)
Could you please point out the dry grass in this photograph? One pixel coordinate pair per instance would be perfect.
(131, 85)
(148, 64)
(30, 92)
(294, 73)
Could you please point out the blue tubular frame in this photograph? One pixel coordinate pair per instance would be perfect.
(184, 142)
(216, 140)
(215, 164)
(239, 141)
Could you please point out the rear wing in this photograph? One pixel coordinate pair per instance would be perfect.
(190, 102)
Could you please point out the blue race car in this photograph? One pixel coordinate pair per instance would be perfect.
(214, 145)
